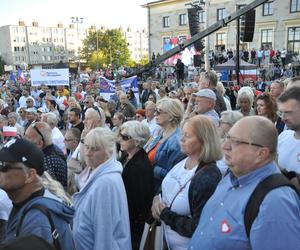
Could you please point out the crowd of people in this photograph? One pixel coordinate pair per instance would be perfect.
(80, 170)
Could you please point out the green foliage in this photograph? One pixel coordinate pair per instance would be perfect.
(2, 63)
(112, 48)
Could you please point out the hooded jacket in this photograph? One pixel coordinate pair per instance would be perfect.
(35, 222)
(101, 218)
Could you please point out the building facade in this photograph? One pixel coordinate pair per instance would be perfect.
(277, 24)
(38, 45)
(137, 41)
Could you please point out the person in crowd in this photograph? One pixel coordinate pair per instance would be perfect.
(88, 103)
(227, 120)
(31, 117)
(21, 173)
(205, 104)
(72, 140)
(179, 72)
(40, 133)
(72, 103)
(52, 107)
(245, 99)
(137, 176)
(209, 80)
(250, 151)
(131, 97)
(118, 120)
(221, 89)
(140, 115)
(190, 183)
(106, 225)
(164, 151)
(102, 103)
(57, 136)
(24, 97)
(74, 119)
(146, 92)
(162, 92)
(126, 107)
(12, 121)
(266, 106)
(5, 208)
(150, 121)
(289, 140)
(22, 117)
(29, 102)
(276, 89)
(152, 98)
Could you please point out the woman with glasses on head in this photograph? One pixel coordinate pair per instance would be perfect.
(137, 176)
(164, 150)
(190, 183)
(101, 218)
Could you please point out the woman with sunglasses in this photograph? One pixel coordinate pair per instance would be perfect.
(137, 176)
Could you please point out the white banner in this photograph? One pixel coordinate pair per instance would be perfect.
(50, 77)
(8, 68)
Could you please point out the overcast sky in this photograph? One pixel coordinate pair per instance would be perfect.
(110, 13)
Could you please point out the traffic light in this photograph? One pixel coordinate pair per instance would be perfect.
(247, 25)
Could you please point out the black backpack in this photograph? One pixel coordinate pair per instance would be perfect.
(262, 189)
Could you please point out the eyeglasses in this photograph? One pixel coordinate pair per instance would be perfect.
(235, 141)
(38, 131)
(5, 167)
(28, 101)
(125, 137)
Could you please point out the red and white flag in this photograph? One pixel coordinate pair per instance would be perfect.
(9, 131)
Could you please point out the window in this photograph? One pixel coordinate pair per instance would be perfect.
(268, 9)
(266, 38)
(221, 37)
(295, 6)
(221, 14)
(167, 45)
(201, 16)
(182, 19)
(294, 40)
(166, 21)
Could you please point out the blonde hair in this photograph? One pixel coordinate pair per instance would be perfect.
(173, 107)
(207, 134)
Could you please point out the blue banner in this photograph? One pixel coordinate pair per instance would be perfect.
(108, 86)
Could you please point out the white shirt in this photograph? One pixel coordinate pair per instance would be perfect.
(289, 151)
(172, 183)
(58, 139)
(155, 129)
(5, 205)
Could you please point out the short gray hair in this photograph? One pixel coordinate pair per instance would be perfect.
(137, 131)
(51, 119)
(245, 92)
(231, 116)
(102, 138)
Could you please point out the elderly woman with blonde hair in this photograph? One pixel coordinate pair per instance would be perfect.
(137, 176)
(164, 151)
(101, 219)
(190, 183)
(245, 99)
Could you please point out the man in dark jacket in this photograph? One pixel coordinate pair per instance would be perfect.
(21, 165)
(179, 72)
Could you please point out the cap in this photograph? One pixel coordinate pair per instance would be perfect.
(31, 110)
(21, 150)
(208, 93)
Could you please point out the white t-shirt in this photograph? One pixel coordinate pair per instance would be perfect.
(5, 205)
(289, 151)
(174, 180)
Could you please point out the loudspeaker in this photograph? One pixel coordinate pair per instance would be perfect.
(247, 25)
(197, 60)
(194, 27)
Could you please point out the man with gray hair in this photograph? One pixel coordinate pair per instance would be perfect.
(55, 163)
(57, 136)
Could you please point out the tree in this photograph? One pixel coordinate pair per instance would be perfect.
(112, 48)
(2, 63)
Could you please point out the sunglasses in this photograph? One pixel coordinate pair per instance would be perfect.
(38, 131)
(125, 137)
(5, 167)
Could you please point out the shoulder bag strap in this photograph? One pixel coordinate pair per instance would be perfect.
(46, 212)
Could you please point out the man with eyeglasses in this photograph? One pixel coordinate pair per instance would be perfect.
(289, 140)
(21, 170)
(250, 151)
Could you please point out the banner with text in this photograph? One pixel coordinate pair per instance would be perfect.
(50, 77)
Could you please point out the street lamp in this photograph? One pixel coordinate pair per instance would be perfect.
(77, 20)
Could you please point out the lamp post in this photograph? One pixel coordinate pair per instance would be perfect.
(97, 46)
(77, 20)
